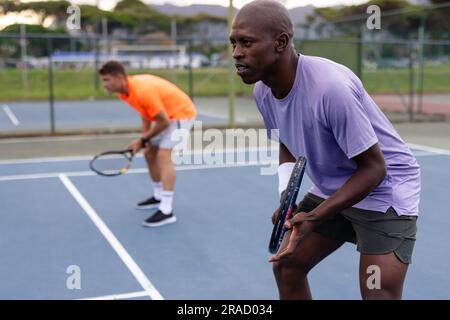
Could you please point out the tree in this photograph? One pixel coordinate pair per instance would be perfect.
(438, 21)
(140, 16)
(45, 9)
(35, 46)
(348, 20)
(8, 6)
(134, 6)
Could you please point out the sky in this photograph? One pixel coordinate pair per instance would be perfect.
(108, 4)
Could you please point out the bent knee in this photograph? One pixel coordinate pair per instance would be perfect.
(290, 268)
(164, 155)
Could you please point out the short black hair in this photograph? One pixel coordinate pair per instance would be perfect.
(112, 67)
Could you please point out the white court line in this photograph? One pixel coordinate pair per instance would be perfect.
(131, 171)
(145, 170)
(75, 138)
(66, 138)
(43, 160)
(420, 154)
(221, 116)
(213, 115)
(89, 157)
(120, 296)
(104, 136)
(45, 175)
(11, 115)
(428, 151)
(428, 148)
(117, 246)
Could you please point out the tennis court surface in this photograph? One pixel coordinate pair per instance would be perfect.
(69, 234)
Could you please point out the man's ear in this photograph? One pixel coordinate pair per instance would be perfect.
(282, 42)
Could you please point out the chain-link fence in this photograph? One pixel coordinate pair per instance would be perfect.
(57, 75)
(403, 60)
(50, 83)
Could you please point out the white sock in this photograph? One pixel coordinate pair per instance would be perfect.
(166, 202)
(157, 189)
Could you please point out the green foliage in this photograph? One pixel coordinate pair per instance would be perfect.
(46, 8)
(207, 82)
(328, 13)
(8, 6)
(139, 16)
(403, 25)
(35, 46)
(132, 15)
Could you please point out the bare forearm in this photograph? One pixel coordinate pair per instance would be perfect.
(285, 155)
(154, 130)
(355, 189)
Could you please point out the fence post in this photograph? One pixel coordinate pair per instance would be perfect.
(359, 50)
(191, 76)
(411, 84)
(421, 62)
(23, 53)
(96, 63)
(50, 85)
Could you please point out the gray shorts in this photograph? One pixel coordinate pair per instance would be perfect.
(175, 135)
(373, 232)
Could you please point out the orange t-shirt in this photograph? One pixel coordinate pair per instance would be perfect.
(149, 95)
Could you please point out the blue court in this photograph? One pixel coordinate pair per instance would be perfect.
(56, 215)
(17, 117)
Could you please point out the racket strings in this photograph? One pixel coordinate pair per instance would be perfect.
(111, 163)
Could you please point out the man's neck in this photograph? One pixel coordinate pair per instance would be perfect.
(125, 91)
(283, 78)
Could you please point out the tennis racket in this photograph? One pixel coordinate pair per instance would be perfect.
(287, 204)
(112, 163)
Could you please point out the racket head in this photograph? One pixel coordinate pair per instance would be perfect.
(112, 163)
(287, 206)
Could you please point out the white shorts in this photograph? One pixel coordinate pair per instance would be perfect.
(176, 134)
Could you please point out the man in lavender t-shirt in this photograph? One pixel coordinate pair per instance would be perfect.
(366, 182)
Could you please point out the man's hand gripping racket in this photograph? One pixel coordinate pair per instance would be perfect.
(287, 206)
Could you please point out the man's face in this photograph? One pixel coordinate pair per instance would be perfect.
(113, 83)
(253, 49)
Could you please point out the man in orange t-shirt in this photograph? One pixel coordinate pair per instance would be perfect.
(164, 109)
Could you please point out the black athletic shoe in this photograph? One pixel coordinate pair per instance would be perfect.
(148, 204)
(159, 219)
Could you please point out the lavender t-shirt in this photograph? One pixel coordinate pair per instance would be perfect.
(329, 118)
